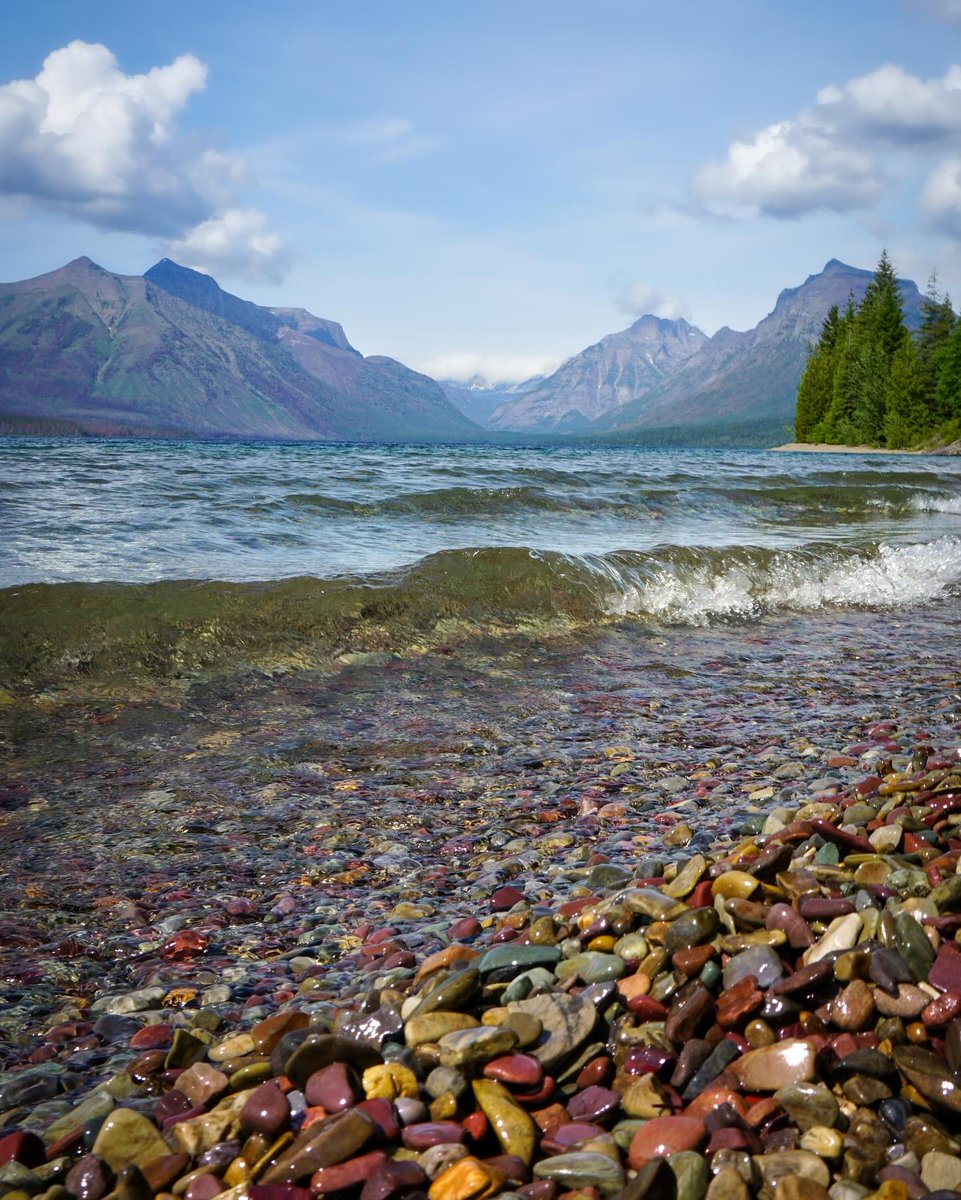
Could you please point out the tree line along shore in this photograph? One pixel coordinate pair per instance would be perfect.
(870, 381)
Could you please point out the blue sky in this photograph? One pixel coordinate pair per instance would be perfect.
(487, 186)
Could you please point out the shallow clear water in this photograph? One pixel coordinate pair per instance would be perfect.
(165, 553)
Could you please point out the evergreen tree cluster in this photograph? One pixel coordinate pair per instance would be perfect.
(869, 381)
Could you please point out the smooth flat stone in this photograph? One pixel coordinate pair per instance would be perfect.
(773, 1067)
(322, 1145)
(691, 1172)
(433, 1026)
(567, 1021)
(809, 1105)
(664, 1136)
(464, 1047)
(853, 1008)
(514, 1128)
(126, 1137)
(841, 934)
(941, 1172)
(762, 962)
(691, 929)
(266, 1110)
(518, 958)
(583, 1168)
(466, 1179)
(930, 1075)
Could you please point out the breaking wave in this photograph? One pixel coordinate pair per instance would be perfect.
(169, 627)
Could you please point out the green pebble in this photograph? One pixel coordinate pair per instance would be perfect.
(185, 1050)
(521, 958)
(710, 974)
(690, 1171)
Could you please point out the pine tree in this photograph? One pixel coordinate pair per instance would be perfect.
(937, 322)
(816, 386)
(906, 417)
(870, 393)
(836, 424)
(949, 380)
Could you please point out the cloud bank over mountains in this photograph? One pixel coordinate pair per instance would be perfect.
(86, 140)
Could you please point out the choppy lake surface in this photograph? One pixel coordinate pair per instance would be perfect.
(369, 547)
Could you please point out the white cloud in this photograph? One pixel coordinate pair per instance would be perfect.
(85, 139)
(892, 105)
(487, 368)
(637, 299)
(941, 198)
(237, 243)
(788, 169)
(826, 158)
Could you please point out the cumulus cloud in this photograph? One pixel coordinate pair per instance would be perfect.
(941, 199)
(236, 243)
(637, 299)
(890, 104)
(488, 368)
(826, 158)
(85, 139)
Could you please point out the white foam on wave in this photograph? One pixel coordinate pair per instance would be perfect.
(936, 503)
(694, 594)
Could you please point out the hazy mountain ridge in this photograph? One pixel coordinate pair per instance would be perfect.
(618, 369)
(171, 353)
(478, 399)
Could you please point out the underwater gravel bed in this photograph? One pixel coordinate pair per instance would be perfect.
(667, 915)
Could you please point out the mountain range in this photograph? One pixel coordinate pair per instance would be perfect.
(663, 376)
(170, 353)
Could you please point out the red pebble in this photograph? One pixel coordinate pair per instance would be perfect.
(464, 929)
(505, 898)
(21, 1147)
(522, 1070)
(152, 1037)
(597, 1071)
(663, 1136)
(391, 1180)
(348, 1174)
(702, 895)
(476, 1125)
(277, 1191)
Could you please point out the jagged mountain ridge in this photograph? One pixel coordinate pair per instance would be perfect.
(171, 353)
(752, 375)
(615, 371)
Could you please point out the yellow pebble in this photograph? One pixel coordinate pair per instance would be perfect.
(467, 1179)
(237, 1173)
(891, 1189)
(444, 1107)
(389, 1081)
(604, 942)
(735, 884)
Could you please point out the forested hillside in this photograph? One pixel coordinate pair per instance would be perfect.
(871, 381)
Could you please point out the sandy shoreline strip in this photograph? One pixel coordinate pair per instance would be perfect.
(827, 448)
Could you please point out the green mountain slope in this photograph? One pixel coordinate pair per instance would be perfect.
(85, 350)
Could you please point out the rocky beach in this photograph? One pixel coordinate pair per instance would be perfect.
(664, 916)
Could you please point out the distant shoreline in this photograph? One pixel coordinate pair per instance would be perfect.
(827, 448)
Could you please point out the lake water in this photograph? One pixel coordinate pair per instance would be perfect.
(370, 548)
